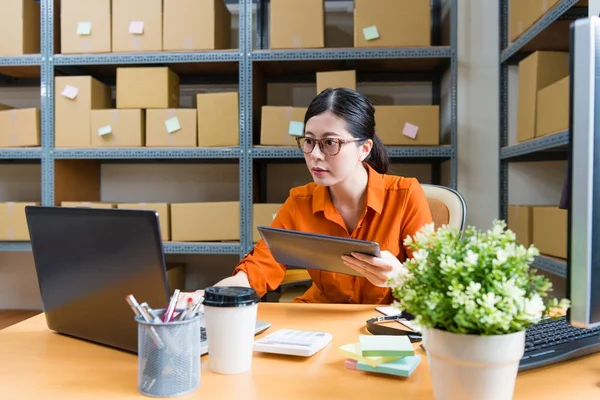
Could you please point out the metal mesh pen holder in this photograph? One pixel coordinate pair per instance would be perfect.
(168, 357)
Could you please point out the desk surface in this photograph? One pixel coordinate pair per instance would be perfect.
(36, 363)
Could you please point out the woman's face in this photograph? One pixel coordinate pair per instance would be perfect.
(326, 167)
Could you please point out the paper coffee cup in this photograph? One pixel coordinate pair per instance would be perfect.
(230, 318)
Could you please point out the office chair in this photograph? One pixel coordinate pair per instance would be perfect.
(447, 206)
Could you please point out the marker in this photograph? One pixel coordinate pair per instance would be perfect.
(168, 316)
(138, 310)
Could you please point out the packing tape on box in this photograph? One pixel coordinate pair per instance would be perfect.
(13, 139)
(170, 140)
(188, 43)
(10, 208)
(13, 116)
(171, 113)
(85, 45)
(136, 43)
(114, 115)
(10, 233)
(544, 5)
(288, 113)
(297, 42)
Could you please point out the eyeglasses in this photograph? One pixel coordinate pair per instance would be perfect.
(329, 146)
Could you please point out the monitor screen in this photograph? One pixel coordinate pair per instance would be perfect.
(583, 183)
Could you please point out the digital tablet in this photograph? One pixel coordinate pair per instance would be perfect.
(314, 251)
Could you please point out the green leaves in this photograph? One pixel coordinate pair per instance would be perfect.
(480, 283)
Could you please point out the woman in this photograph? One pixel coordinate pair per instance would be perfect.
(351, 196)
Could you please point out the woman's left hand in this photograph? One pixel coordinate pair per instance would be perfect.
(376, 269)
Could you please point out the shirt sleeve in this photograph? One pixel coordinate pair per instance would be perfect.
(264, 273)
(416, 213)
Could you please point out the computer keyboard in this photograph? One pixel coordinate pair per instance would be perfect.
(554, 341)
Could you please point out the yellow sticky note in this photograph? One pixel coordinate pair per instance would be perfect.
(274, 215)
(354, 352)
(172, 125)
(84, 28)
(371, 32)
(105, 130)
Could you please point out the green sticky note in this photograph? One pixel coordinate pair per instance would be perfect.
(385, 345)
(404, 366)
(296, 128)
(172, 125)
(105, 130)
(84, 28)
(370, 32)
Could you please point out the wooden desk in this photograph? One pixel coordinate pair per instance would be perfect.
(36, 363)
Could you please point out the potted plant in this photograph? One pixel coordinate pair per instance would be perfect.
(473, 295)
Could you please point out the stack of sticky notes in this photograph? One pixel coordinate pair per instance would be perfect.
(385, 354)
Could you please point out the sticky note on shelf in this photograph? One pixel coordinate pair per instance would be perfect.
(296, 128)
(84, 28)
(172, 125)
(105, 130)
(385, 346)
(410, 130)
(274, 215)
(70, 92)
(136, 27)
(371, 32)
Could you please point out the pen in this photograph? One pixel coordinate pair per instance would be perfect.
(171, 308)
(187, 313)
(166, 335)
(138, 310)
(195, 308)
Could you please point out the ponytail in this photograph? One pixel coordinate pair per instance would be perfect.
(378, 158)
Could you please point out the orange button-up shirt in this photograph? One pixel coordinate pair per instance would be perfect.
(396, 207)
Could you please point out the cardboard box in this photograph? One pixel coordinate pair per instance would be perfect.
(536, 72)
(392, 23)
(277, 123)
(137, 25)
(19, 27)
(85, 26)
(520, 221)
(297, 24)
(13, 224)
(263, 214)
(553, 108)
(408, 125)
(74, 98)
(87, 204)
(175, 127)
(206, 221)
(218, 119)
(118, 128)
(196, 25)
(550, 231)
(20, 127)
(164, 218)
(147, 87)
(336, 79)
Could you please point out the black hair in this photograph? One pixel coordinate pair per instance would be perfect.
(357, 111)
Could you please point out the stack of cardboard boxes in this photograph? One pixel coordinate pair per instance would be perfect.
(147, 113)
(396, 125)
(103, 26)
(543, 99)
(19, 127)
(377, 23)
(180, 222)
(543, 226)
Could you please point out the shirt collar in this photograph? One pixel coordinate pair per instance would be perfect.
(375, 193)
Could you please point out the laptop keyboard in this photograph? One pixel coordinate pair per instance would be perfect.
(202, 334)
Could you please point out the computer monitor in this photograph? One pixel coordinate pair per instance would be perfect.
(583, 180)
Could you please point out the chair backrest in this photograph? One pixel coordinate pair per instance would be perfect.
(447, 206)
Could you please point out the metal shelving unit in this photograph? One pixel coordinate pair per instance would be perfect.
(541, 36)
(418, 64)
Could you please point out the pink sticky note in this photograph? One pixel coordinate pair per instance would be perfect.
(136, 27)
(351, 364)
(70, 92)
(410, 130)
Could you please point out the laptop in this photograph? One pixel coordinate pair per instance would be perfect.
(87, 260)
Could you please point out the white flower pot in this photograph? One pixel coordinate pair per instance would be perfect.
(471, 367)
